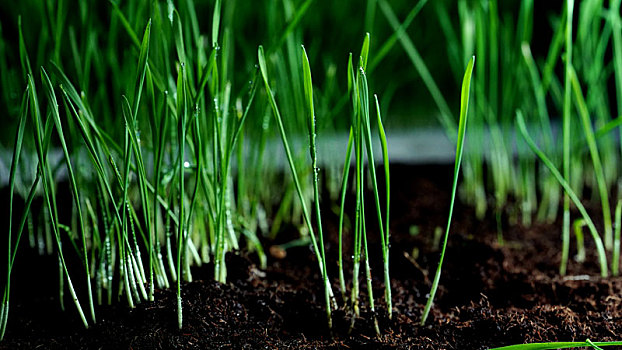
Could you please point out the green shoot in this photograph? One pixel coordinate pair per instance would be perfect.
(464, 109)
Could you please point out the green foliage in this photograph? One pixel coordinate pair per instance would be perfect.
(166, 134)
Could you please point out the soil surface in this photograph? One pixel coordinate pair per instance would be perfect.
(490, 294)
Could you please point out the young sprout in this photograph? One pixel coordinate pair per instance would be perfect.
(464, 112)
(578, 232)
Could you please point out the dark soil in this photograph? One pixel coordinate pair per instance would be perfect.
(490, 295)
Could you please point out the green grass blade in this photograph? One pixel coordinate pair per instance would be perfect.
(181, 140)
(73, 181)
(365, 51)
(42, 144)
(464, 108)
(141, 69)
(557, 345)
(23, 54)
(566, 132)
(216, 23)
(577, 202)
(387, 183)
(595, 155)
(344, 189)
(7, 290)
(19, 138)
(308, 90)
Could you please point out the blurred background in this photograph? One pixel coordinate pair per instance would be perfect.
(330, 30)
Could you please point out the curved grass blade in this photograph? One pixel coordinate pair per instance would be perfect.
(464, 108)
(595, 155)
(72, 179)
(558, 345)
(42, 138)
(17, 148)
(23, 54)
(602, 257)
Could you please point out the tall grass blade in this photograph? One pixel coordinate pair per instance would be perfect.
(387, 183)
(308, 89)
(181, 144)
